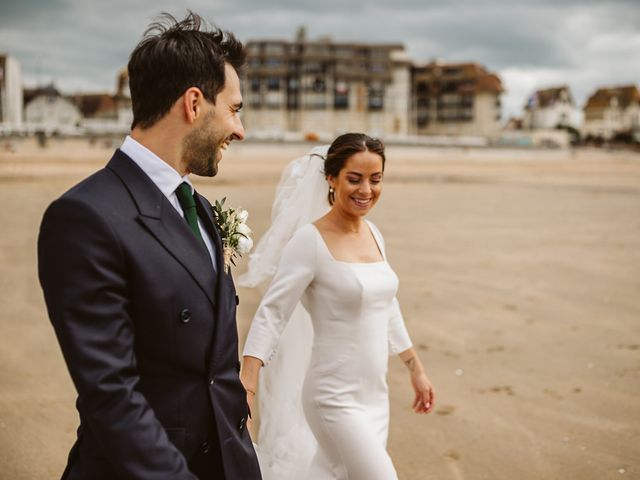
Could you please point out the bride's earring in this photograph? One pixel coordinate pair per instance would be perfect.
(332, 195)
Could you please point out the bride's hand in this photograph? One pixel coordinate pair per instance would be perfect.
(425, 396)
(251, 396)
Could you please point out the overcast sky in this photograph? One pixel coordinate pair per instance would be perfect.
(82, 44)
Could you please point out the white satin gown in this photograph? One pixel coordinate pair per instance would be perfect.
(357, 324)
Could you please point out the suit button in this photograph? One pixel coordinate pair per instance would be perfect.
(211, 382)
(242, 422)
(205, 447)
(185, 316)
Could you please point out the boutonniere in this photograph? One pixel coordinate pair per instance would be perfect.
(234, 232)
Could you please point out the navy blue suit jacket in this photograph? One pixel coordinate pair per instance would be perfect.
(148, 332)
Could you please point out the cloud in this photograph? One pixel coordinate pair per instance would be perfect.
(531, 43)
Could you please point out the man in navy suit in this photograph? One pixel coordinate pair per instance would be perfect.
(131, 265)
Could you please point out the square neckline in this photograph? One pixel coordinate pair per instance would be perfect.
(375, 239)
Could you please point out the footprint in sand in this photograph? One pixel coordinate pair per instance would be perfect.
(628, 347)
(510, 307)
(445, 410)
(508, 389)
(452, 455)
(495, 348)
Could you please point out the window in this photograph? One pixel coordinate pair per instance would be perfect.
(273, 84)
(422, 119)
(341, 96)
(273, 62)
(376, 96)
(255, 84)
(422, 87)
(293, 84)
(319, 85)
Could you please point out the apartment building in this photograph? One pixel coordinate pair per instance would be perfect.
(455, 99)
(326, 87)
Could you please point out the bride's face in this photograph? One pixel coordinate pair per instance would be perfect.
(359, 184)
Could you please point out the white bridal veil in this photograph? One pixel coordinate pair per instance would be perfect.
(285, 444)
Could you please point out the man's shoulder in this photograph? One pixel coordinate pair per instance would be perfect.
(98, 184)
(105, 184)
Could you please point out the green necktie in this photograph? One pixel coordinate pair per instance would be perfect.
(188, 204)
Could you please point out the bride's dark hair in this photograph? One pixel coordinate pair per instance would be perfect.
(344, 147)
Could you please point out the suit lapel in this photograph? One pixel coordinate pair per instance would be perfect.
(206, 216)
(159, 217)
(225, 318)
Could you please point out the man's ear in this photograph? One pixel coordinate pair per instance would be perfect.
(192, 100)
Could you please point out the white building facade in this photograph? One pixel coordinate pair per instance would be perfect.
(612, 111)
(10, 92)
(549, 109)
(51, 112)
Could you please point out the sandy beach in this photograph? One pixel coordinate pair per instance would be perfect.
(519, 281)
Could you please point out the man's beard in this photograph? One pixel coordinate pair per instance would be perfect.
(200, 150)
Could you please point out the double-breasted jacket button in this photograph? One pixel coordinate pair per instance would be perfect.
(205, 447)
(185, 315)
(242, 424)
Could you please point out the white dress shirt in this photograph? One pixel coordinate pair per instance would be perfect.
(166, 178)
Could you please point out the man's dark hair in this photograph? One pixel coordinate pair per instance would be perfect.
(174, 56)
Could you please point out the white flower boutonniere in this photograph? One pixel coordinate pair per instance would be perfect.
(234, 231)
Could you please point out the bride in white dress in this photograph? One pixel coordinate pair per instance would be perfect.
(324, 399)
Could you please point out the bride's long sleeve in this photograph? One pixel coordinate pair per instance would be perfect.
(399, 339)
(294, 274)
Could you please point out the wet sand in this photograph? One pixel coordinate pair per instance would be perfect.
(520, 284)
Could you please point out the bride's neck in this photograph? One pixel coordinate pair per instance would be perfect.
(345, 223)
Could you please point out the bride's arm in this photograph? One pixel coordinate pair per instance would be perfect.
(294, 273)
(249, 377)
(400, 343)
(425, 397)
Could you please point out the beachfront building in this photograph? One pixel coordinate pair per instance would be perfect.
(48, 111)
(612, 111)
(549, 108)
(105, 112)
(10, 92)
(325, 87)
(455, 99)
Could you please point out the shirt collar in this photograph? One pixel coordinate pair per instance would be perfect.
(165, 177)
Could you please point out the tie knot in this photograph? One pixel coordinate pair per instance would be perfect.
(185, 197)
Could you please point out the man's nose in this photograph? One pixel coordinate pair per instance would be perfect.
(238, 132)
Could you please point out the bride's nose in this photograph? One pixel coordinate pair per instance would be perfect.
(365, 187)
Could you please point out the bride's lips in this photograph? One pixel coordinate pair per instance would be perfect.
(362, 202)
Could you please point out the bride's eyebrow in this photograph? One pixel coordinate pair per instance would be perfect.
(360, 175)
